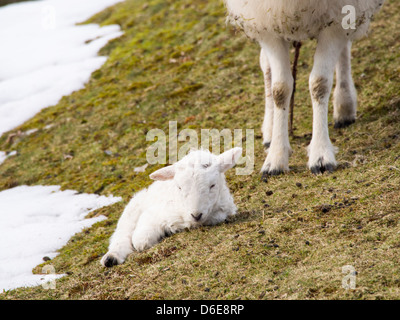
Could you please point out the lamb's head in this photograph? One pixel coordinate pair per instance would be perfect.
(198, 180)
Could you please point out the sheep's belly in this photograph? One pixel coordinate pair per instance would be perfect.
(298, 19)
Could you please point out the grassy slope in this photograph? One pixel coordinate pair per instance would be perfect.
(178, 61)
(5, 2)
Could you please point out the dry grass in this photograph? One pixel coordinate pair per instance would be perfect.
(177, 61)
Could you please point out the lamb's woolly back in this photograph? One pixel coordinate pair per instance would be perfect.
(296, 20)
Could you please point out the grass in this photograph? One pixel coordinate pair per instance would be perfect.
(5, 2)
(177, 61)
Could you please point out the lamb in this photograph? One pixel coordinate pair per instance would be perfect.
(190, 193)
(274, 24)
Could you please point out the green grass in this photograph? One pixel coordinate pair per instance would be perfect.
(5, 2)
(177, 60)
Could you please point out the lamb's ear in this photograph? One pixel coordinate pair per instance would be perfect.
(163, 174)
(228, 159)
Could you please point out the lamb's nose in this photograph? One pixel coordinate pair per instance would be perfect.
(197, 216)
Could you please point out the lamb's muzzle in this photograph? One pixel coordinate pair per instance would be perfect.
(197, 216)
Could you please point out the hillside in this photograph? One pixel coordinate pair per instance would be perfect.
(178, 61)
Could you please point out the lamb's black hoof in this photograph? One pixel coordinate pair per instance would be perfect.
(110, 262)
(267, 145)
(343, 123)
(320, 168)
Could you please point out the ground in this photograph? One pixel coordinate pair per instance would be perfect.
(5, 2)
(178, 60)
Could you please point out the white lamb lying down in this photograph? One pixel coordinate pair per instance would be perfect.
(187, 194)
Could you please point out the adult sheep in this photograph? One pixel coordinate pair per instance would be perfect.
(187, 194)
(276, 23)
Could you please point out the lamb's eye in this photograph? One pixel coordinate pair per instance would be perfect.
(179, 188)
(212, 186)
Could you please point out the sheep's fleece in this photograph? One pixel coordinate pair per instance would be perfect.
(297, 20)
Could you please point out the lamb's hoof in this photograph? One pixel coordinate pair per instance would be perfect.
(343, 123)
(322, 167)
(110, 261)
(266, 145)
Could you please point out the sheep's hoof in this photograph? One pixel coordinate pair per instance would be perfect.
(343, 123)
(264, 177)
(322, 167)
(110, 261)
(267, 173)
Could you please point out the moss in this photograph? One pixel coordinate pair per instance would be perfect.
(186, 89)
(178, 61)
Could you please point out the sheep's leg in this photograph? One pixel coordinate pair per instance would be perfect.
(345, 95)
(321, 151)
(147, 233)
(269, 101)
(277, 51)
(121, 241)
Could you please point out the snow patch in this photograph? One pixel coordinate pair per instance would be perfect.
(37, 221)
(4, 155)
(45, 55)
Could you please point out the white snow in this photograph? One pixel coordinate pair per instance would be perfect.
(44, 55)
(37, 221)
(4, 156)
(31, 131)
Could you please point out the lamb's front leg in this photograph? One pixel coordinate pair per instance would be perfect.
(321, 151)
(120, 244)
(121, 241)
(277, 52)
(149, 231)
